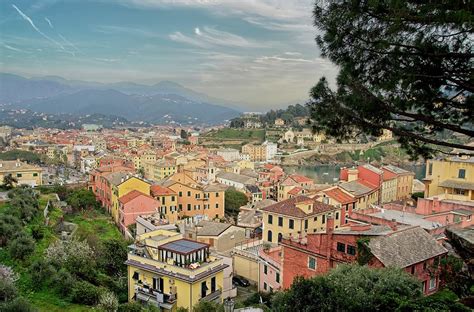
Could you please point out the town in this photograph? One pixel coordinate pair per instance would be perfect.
(220, 224)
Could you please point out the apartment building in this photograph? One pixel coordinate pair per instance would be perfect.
(228, 154)
(158, 170)
(135, 204)
(168, 201)
(404, 181)
(409, 248)
(169, 272)
(296, 216)
(23, 172)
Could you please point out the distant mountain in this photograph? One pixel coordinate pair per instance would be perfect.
(15, 88)
(158, 108)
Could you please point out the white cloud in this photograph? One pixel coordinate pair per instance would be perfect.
(208, 36)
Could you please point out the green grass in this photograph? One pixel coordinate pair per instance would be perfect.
(95, 222)
(228, 133)
(47, 301)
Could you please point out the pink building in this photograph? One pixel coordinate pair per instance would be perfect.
(135, 204)
(271, 277)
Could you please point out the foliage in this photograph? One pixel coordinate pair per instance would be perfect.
(363, 251)
(208, 306)
(82, 199)
(8, 290)
(183, 134)
(254, 299)
(132, 307)
(19, 304)
(21, 247)
(234, 200)
(404, 66)
(85, 293)
(370, 290)
(9, 227)
(24, 203)
(112, 255)
(42, 272)
(444, 300)
(417, 195)
(27, 156)
(8, 274)
(9, 181)
(108, 302)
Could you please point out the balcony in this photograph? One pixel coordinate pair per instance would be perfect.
(155, 297)
(213, 296)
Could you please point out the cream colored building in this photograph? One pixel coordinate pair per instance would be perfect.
(22, 172)
(450, 178)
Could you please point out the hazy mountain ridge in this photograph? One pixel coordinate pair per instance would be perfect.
(165, 101)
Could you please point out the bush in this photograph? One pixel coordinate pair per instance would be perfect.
(8, 290)
(19, 304)
(64, 282)
(42, 272)
(85, 293)
(131, 307)
(112, 257)
(9, 227)
(37, 231)
(108, 302)
(21, 247)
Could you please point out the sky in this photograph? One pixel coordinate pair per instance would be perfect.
(258, 52)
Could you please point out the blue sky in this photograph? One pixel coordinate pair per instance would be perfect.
(259, 52)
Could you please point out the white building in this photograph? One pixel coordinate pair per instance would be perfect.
(229, 154)
(271, 149)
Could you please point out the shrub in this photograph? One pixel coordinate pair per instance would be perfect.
(7, 273)
(64, 282)
(85, 293)
(74, 255)
(108, 302)
(131, 307)
(19, 304)
(42, 272)
(21, 247)
(8, 290)
(37, 231)
(9, 227)
(112, 257)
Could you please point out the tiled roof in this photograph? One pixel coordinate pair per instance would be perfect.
(210, 228)
(235, 177)
(288, 207)
(295, 191)
(463, 185)
(339, 195)
(117, 178)
(131, 196)
(158, 190)
(406, 247)
(396, 170)
(356, 188)
(301, 178)
(388, 175)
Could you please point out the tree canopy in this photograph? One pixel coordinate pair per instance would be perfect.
(234, 200)
(404, 66)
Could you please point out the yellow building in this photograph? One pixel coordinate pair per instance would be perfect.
(256, 152)
(168, 202)
(450, 178)
(139, 160)
(404, 181)
(122, 183)
(295, 216)
(22, 172)
(246, 164)
(364, 193)
(170, 272)
(158, 170)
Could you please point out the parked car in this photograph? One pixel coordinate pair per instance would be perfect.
(240, 281)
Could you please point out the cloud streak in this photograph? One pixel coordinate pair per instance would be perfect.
(30, 21)
(207, 37)
(49, 22)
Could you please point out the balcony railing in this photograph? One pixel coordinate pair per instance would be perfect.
(155, 297)
(213, 295)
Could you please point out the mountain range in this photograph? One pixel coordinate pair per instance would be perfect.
(163, 102)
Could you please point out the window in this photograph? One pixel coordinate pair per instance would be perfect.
(432, 283)
(324, 219)
(189, 193)
(280, 221)
(351, 250)
(269, 236)
(189, 207)
(337, 215)
(180, 207)
(270, 219)
(312, 263)
(18, 175)
(341, 247)
(180, 194)
(413, 270)
(315, 219)
(459, 192)
(280, 237)
(265, 286)
(217, 194)
(306, 224)
(35, 174)
(172, 198)
(271, 289)
(291, 224)
(163, 200)
(217, 206)
(265, 269)
(213, 284)
(430, 169)
(462, 173)
(277, 277)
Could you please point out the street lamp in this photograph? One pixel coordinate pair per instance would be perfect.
(229, 305)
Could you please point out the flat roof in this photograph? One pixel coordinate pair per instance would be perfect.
(183, 246)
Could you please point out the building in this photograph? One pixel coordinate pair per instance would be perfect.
(220, 237)
(409, 248)
(297, 216)
(168, 201)
(228, 154)
(235, 180)
(270, 266)
(404, 181)
(170, 272)
(22, 172)
(194, 198)
(450, 178)
(255, 152)
(158, 170)
(279, 122)
(293, 185)
(133, 205)
(364, 193)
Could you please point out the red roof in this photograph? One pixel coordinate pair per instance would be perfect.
(295, 191)
(367, 183)
(158, 190)
(131, 196)
(300, 178)
(388, 175)
(339, 196)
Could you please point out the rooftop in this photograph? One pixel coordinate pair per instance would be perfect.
(289, 207)
(356, 188)
(463, 185)
(183, 246)
(396, 170)
(407, 218)
(210, 228)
